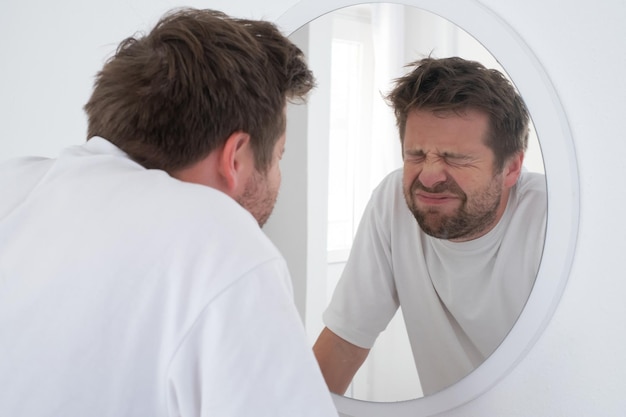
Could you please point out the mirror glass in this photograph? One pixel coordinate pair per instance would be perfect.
(356, 52)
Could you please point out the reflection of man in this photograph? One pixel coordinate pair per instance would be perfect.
(134, 277)
(462, 277)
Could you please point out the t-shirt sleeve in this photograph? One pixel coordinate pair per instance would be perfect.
(247, 355)
(365, 299)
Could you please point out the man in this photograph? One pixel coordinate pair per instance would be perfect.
(462, 277)
(134, 277)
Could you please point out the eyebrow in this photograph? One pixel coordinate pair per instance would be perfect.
(444, 154)
(455, 155)
(414, 152)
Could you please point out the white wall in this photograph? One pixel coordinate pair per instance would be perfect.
(51, 50)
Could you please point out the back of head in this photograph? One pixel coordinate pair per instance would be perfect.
(455, 85)
(171, 97)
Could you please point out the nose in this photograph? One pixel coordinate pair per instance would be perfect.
(432, 173)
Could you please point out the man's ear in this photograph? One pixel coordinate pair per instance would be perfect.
(236, 161)
(513, 169)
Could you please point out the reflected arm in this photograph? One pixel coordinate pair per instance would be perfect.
(339, 360)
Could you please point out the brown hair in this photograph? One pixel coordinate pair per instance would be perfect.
(173, 96)
(455, 84)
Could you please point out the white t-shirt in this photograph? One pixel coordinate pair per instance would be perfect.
(125, 292)
(458, 300)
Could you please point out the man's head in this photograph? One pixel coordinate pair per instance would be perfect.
(174, 96)
(456, 85)
(464, 130)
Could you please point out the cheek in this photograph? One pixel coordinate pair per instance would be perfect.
(409, 173)
(407, 180)
(466, 183)
(472, 184)
(274, 177)
(278, 175)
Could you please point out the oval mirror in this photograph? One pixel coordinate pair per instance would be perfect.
(560, 167)
(352, 44)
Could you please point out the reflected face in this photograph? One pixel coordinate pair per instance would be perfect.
(261, 190)
(449, 180)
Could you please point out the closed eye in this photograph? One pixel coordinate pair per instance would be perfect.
(457, 159)
(414, 156)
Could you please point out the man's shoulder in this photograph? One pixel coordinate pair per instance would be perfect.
(387, 206)
(533, 182)
(389, 187)
(531, 190)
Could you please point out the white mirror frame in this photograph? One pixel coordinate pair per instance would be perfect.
(563, 196)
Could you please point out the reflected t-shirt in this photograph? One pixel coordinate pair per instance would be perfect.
(459, 300)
